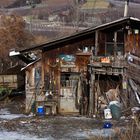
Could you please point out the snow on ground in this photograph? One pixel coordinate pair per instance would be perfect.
(4, 135)
(53, 128)
(96, 132)
(5, 114)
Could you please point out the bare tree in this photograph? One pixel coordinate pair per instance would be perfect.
(12, 35)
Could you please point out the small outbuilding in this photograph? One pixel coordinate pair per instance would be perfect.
(74, 73)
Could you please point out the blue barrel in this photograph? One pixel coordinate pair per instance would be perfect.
(40, 110)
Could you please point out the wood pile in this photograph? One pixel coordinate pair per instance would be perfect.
(133, 73)
(133, 67)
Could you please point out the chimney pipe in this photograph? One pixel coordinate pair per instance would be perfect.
(126, 8)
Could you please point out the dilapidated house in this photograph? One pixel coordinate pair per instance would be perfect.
(74, 73)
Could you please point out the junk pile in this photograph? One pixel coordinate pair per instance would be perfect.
(115, 105)
(113, 108)
(135, 112)
(135, 101)
(110, 104)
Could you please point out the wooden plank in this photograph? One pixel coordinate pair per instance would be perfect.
(96, 42)
(91, 96)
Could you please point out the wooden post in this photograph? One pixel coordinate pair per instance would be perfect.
(95, 98)
(92, 79)
(115, 44)
(43, 69)
(127, 41)
(96, 43)
(59, 87)
(136, 40)
(125, 87)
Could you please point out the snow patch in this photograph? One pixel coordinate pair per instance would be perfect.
(4, 135)
(5, 114)
(97, 133)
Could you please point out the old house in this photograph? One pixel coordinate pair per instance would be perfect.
(54, 80)
(75, 72)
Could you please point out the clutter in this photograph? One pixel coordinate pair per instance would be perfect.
(102, 102)
(134, 86)
(107, 113)
(112, 95)
(105, 60)
(135, 111)
(115, 107)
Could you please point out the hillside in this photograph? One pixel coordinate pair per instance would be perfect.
(61, 17)
(19, 3)
(15, 3)
(5, 3)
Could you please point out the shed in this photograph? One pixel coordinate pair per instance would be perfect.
(69, 66)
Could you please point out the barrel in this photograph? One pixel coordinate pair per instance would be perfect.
(40, 110)
(115, 109)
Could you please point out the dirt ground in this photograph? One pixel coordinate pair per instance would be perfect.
(14, 125)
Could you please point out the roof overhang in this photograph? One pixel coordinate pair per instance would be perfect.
(30, 64)
(25, 57)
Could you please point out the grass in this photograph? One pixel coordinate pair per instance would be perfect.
(129, 132)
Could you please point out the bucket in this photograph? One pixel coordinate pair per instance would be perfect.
(115, 109)
(107, 113)
(40, 110)
(107, 125)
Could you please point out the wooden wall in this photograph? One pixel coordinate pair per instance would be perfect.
(30, 85)
(132, 42)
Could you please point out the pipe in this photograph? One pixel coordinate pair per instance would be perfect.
(126, 8)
